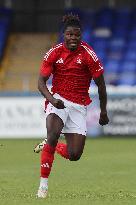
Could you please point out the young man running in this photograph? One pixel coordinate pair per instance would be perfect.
(73, 64)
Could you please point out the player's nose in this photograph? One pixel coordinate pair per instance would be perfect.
(73, 37)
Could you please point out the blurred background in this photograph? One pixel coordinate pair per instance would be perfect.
(28, 28)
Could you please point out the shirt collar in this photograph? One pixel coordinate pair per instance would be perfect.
(69, 51)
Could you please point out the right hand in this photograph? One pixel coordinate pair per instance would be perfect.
(59, 104)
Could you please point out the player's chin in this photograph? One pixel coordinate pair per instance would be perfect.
(73, 47)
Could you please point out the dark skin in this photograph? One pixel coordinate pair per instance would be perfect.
(54, 125)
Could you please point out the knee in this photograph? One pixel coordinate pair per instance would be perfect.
(74, 156)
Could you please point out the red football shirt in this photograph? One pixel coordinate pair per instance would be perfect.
(72, 71)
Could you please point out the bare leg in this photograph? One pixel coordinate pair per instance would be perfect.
(75, 145)
(54, 126)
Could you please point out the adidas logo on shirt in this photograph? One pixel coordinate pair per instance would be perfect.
(60, 61)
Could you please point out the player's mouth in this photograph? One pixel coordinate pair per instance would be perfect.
(73, 45)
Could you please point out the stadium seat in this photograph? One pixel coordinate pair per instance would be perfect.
(127, 79)
(115, 54)
(131, 44)
(122, 17)
(104, 18)
(128, 66)
(117, 44)
(120, 32)
(87, 19)
(100, 43)
(130, 55)
(132, 33)
(87, 25)
(122, 21)
(116, 48)
(133, 17)
(112, 66)
(87, 35)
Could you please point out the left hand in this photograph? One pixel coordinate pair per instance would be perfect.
(104, 120)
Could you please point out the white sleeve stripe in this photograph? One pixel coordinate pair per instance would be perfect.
(50, 51)
(99, 69)
(91, 53)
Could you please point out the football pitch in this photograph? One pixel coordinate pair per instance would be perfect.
(105, 175)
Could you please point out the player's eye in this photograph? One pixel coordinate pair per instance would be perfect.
(77, 35)
(68, 34)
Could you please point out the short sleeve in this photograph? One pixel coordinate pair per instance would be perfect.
(97, 69)
(94, 64)
(47, 65)
(46, 68)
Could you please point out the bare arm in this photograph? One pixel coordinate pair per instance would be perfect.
(42, 87)
(103, 99)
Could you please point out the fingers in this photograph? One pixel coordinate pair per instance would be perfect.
(104, 120)
(59, 104)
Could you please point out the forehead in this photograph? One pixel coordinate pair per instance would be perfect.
(72, 29)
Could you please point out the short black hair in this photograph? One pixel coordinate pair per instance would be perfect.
(71, 20)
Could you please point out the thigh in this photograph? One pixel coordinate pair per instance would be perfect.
(54, 123)
(75, 143)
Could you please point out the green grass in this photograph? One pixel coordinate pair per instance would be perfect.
(105, 175)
